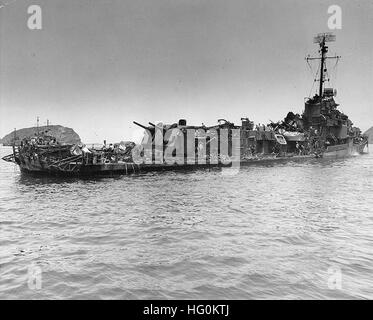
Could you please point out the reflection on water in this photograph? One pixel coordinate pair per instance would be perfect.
(274, 231)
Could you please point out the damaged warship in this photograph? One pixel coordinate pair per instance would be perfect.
(320, 131)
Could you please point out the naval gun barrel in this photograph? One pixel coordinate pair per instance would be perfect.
(140, 125)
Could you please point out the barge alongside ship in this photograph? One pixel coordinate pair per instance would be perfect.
(321, 131)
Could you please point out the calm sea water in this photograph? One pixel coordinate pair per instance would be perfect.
(296, 230)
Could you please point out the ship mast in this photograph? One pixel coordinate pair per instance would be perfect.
(324, 50)
(321, 39)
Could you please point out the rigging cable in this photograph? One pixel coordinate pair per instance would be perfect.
(333, 74)
(314, 80)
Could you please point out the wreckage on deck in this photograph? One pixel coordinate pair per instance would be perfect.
(321, 131)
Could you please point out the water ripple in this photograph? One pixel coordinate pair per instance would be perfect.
(269, 232)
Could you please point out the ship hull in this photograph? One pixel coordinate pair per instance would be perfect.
(76, 166)
(344, 150)
(113, 169)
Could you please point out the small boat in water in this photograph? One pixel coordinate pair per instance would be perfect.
(322, 131)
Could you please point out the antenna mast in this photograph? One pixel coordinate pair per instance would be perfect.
(37, 125)
(14, 137)
(324, 50)
(321, 39)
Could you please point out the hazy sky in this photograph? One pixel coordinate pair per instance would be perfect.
(98, 65)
